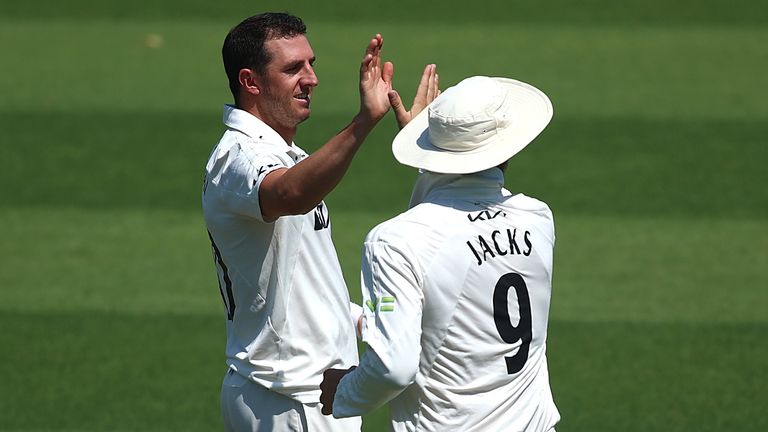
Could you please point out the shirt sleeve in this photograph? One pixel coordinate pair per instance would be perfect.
(392, 308)
(355, 313)
(240, 180)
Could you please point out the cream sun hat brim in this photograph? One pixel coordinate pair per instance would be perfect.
(477, 124)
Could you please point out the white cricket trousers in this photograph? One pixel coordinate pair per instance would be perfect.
(249, 407)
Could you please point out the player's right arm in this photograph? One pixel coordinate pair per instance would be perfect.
(299, 189)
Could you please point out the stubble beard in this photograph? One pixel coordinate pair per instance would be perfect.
(282, 112)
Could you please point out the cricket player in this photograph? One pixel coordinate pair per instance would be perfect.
(457, 289)
(288, 314)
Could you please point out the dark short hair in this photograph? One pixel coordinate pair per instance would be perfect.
(244, 45)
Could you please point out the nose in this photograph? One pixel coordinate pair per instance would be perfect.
(310, 78)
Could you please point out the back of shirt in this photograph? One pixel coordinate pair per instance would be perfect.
(471, 267)
(487, 293)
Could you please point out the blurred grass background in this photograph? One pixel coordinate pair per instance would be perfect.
(110, 317)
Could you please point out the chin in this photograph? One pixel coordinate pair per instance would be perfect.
(303, 116)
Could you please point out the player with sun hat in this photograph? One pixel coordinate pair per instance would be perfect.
(457, 289)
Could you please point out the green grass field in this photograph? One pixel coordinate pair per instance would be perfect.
(110, 316)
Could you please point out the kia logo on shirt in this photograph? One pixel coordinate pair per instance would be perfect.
(322, 219)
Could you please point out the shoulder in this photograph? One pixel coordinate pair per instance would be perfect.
(405, 227)
(530, 204)
(243, 152)
(535, 212)
(393, 237)
(394, 244)
(413, 236)
(386, 232)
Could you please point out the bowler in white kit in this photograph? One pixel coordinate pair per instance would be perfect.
(287, 308)
(457, 289)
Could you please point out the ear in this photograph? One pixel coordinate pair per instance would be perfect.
(248, 81)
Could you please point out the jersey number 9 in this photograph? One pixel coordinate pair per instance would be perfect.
(510, 333)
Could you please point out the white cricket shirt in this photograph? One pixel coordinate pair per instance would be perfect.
(287, 306)
(457, 292)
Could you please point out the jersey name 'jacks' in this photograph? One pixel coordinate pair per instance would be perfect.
(503, 244)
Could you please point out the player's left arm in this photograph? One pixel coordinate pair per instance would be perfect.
(392, 330)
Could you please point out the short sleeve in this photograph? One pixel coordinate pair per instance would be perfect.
(240, 178)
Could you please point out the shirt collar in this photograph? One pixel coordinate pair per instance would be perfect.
(251, 125)
(432, 185)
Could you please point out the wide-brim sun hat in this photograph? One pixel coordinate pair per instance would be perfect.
(479, 123)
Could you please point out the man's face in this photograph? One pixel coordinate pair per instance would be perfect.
(286, 83)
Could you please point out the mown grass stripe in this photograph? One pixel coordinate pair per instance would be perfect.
(100, 371)
(649, 72)
(606, 268)
(579, 165)
(637, 12)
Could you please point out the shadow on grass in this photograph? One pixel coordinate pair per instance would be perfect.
(100, 371)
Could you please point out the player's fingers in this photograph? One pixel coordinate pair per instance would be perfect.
(370, 54)
(377, 60)
(395, 102)
(372, 45)
(365, 65)
(387, 72)
(324, 396)
(431, 84)
(375, 50)
(434, 88)
(401, 115)
(379, 43)
(421, 90)
(326, 406)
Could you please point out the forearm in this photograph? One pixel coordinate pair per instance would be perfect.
(300, 188)
(369, 386)
(321, 172)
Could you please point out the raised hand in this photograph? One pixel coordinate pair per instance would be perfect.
(375, 81)
(427, 91)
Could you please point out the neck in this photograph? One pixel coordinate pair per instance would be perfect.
(288, 138)
(287, 133)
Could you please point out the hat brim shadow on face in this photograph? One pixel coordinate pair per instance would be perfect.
(529, 109)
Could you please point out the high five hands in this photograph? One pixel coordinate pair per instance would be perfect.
(375, 81)
(427, 91)
(377, 94)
